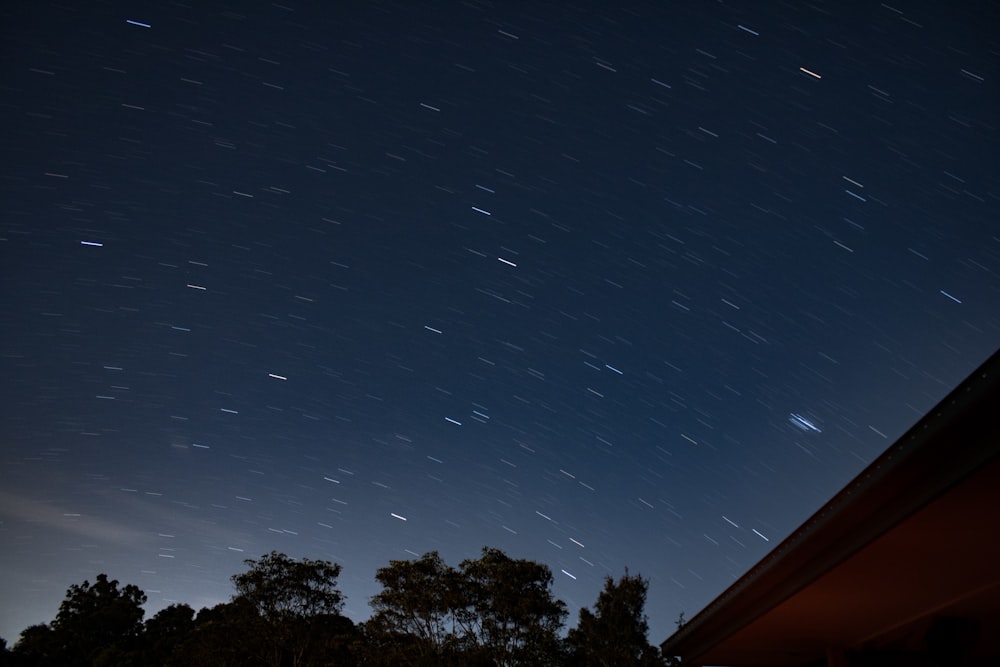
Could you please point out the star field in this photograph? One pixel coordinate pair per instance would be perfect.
(603, 286)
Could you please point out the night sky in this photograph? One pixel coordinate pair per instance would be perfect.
(601, 284)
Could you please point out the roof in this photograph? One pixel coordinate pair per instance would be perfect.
(913, 538)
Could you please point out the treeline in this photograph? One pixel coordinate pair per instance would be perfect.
(490, 611)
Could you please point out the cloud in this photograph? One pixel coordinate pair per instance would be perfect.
(53, 518)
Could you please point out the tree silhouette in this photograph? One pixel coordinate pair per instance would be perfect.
(510, 611)
(279, 587)
(35, 646)
(165, 632)
(415, 614)
(493, 610)
(490, 611)
(615, 633)
(290, 597)
(97, 623)
(226, 635)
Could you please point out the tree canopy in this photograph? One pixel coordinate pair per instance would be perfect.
(95, 623)
(615, 633)
(513, 615)
(280, 587)
(493, 610)
(431, 613)
(418, 610)
(290, 597)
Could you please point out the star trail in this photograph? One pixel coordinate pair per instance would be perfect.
(635, 285)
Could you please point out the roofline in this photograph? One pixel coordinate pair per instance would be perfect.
(907, 476)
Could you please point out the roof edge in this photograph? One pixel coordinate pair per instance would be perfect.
(909, 474)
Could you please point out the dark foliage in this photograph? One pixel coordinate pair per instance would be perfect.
(292, 600)
(165, 632)
(97, 624)
(492, 611)
(615, 633)
(225, 635)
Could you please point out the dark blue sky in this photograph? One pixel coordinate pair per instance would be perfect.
(604, 286)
